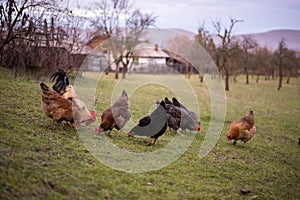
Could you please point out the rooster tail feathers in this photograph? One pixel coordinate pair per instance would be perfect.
(44, 87)
(60, 74)
(61, 80)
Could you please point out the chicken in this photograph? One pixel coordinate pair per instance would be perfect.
(115, 116)
(59, 101)
(192, 114)
(153, 125)
(242, 129)
(248, 120)
(57, 107)
(173, 115)
(178, 116)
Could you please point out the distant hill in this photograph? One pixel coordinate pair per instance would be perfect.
(268, 39)
(271, 39)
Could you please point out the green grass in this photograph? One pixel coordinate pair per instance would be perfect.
(37, 162)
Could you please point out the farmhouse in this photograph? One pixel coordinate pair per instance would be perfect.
(145, 58)
(149, 58)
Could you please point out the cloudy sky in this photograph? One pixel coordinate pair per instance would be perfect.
(257, 15)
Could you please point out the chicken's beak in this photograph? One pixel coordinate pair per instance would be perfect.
(98, 130)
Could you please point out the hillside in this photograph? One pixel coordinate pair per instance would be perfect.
(271, 39)
(268, 39)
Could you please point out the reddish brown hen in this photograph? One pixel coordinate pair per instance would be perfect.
(242, 129)
(56, 107)
(115, 116)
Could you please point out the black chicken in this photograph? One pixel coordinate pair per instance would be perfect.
(152, 126)
(178, 116)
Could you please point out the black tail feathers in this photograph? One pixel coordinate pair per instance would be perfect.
(61, 80)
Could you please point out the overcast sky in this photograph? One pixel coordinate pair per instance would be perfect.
(258, 15)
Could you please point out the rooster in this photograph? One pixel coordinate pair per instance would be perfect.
(153, 125)
(62, 104)
(115, 116)
(242, 129)
(178, 116)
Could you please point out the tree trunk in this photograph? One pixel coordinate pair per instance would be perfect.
(247, 75)
(235, 78)
(201, 78)
(280, 76)
(226, 79)
(125, 69)
(280, 82)
(117, 71)
(107, 70)
(288, 78)
(257, 78)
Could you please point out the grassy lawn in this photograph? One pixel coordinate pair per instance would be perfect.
(37, 162)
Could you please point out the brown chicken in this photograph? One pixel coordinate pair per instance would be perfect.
(57, 107)
(62, 104)
(242, 129)
(115, 116)
(248, 120)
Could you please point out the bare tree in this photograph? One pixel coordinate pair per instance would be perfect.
(123, 26)
(38, 35)
(248, 43)
(279, 57)
(205, 39)
(136, 24)
(17, 18)
(263, 62)
(227, 47)
(291, 64)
